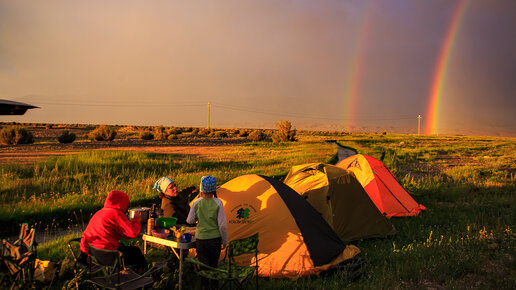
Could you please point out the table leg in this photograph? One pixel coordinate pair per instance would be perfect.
(145, 247)
(180, 269)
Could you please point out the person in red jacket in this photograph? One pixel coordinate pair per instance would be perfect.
(109, 225)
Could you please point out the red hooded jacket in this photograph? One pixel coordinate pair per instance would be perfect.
(109, 225)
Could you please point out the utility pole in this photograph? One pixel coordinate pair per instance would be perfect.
(418, 125)
(209, 116)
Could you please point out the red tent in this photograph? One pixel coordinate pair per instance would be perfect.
(381, 186)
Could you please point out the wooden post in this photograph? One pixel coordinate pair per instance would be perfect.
(208, 116)
(418, 125)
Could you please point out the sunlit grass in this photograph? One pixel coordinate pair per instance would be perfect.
(466, 238)
(62, 185)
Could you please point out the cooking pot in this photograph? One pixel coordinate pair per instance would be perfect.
(141, 212)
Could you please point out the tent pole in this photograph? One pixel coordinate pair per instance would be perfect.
(377, 176)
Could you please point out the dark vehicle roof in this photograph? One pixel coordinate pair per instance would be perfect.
(14, 108)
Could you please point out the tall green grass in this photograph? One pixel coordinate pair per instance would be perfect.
(66, 188)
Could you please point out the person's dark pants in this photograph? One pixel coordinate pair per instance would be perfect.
(208, 252)
(133, 256)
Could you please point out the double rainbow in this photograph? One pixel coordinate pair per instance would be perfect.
(356, 70)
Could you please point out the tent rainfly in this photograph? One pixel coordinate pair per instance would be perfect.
(294, 239)
(381, 186)
(340, 199)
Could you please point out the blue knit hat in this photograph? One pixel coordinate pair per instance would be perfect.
(162, 184)
(208, 184)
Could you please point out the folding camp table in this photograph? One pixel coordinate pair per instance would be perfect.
(175, 245)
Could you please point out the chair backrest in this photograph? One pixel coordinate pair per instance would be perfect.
(243, 246)
(28, 237)
(105, 258)
(23, 231)
(25, 243)
(12, 251)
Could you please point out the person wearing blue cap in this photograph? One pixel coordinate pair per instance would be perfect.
(212, 228)
(173, 203)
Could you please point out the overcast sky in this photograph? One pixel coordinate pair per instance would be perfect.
(257, 62)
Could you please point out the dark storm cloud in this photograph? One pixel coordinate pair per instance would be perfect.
(164, 60)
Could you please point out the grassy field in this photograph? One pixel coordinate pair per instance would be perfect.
(64, 190)
(466, 238)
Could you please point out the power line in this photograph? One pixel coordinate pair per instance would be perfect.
(242, 109)
(301, 115)
(124, 104)
(223, 107)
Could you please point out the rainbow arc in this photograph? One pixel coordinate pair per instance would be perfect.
(436, 93)
(356, 70)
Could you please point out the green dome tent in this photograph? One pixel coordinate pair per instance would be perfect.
(341, 200)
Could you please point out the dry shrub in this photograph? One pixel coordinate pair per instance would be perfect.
(102, 133)
(204, 132)
(257, 135)
(172, 137)
(15, 135)
(66, 137)
(146, 135)
(243, 133)
(160, 133)
(284, 132)
(161, 136)
(175, 131)
(218, 134)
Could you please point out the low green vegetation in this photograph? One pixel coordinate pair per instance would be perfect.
(465, 239)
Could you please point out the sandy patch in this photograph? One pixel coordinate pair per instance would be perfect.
(202, 151)
(28, 157)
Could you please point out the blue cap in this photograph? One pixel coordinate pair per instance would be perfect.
(208, 184)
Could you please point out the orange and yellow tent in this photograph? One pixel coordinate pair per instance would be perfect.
(382, 187)
(340, 199)
(294, 240)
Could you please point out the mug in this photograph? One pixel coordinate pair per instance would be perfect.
(186, 238)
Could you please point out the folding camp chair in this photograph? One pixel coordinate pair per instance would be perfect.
(18, 258)
(115, 276)
(228, 271)
(81, 266)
